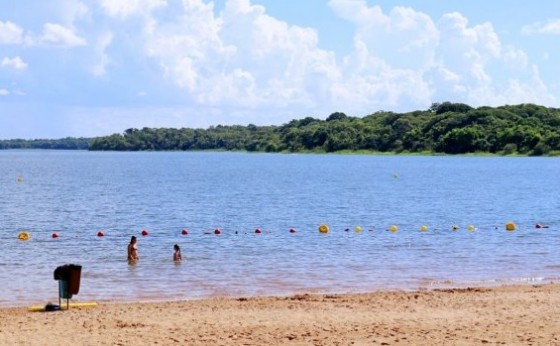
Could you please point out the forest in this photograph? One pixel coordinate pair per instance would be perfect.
(68, 143)
(447, 128)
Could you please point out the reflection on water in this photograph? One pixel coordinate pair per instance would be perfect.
(77, 194)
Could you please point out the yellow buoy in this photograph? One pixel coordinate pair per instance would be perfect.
(470, 228)
(357, 229)
(23, 236)
(324, 228)
(423, 228)
(20, 178)
(393, 228)
(510, 226)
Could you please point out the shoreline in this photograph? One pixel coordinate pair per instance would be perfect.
(512, 315)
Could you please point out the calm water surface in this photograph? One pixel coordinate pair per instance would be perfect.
(77, 193)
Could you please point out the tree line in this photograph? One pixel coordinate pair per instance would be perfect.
(68, 143)
(452, 128)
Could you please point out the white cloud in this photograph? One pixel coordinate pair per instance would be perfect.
(463, 41)
(4, 92)
(101, 45)
(247, 59)
(404, 38)
(484, 72)
(59, 35)
(243, 57)
(126, 8)
(56, 35)
(16, 63)
(10, 33)
(551, 27)
(392, 53)
(522, 91)
(404, 57)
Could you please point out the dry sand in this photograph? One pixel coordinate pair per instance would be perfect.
(516, 315)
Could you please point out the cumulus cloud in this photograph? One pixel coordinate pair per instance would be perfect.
(16, 63)
(488, 73)
(56, 35)
(405, 38)
(406, 57)
(242, 57)
(10, 33)
(550, 27)
(463, 52)
(391, 53)
(4, 92)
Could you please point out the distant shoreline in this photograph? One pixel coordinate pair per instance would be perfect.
(444, 128)
(342, 152)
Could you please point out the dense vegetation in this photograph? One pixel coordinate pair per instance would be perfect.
(452, 128)
(64, 143)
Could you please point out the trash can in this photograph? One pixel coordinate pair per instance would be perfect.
(63, 290)
(68, 277)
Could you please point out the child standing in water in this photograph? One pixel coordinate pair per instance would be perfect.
(132, 250)
(177, 254)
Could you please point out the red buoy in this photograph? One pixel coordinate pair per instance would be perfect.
(100, 234)
(292, 230)
(258, 230)
(144, 232)
(185, 232)
(55, 235)
(217, 231)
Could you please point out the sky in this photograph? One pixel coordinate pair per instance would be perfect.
(85, 68)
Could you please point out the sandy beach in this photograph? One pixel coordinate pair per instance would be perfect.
(513, 315)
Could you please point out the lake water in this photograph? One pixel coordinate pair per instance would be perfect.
(77, 193)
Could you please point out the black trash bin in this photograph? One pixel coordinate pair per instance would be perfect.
(68, 277)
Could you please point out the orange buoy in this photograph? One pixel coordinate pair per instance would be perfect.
(258, 231)
(144, 232)
(55, 235)
(217, 231)
(100, 234)
(185, 232)
(292, 230)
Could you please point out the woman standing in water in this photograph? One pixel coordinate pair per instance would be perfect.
(177, 254)
(132, 250)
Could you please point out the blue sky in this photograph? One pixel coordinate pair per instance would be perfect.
(91, 68)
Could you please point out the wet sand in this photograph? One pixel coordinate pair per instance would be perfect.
(513, 315)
